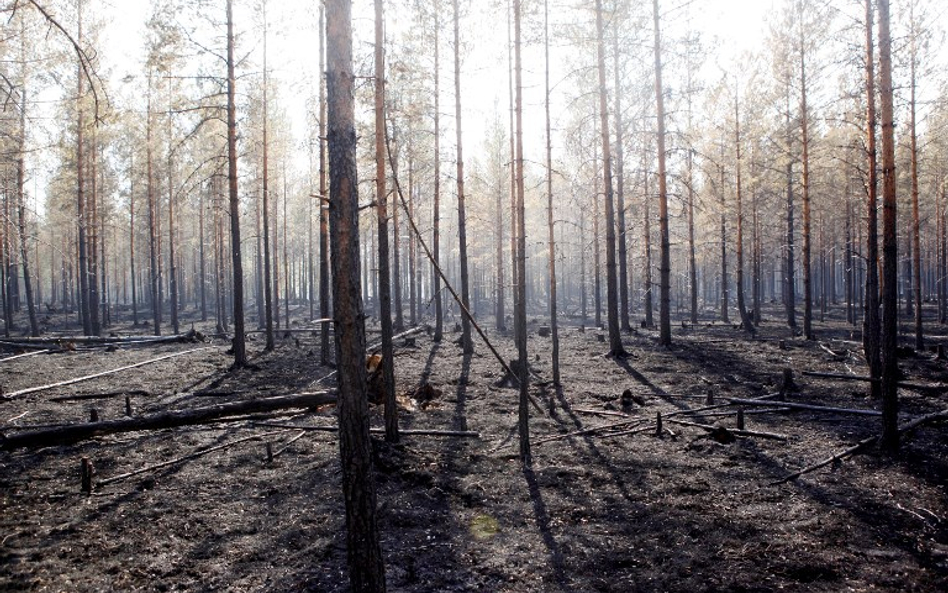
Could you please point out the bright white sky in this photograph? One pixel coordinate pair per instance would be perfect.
(729, 26)
(737, 24)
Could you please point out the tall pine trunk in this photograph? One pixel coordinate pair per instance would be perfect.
(366, 569)
(872, 324)
(664, 267)
(890, 248)
(746, 321)
(554, 329)
(523, 409)
(467, 344)
(381, 209)
(805, 190)
(612, 305)
(239, 345)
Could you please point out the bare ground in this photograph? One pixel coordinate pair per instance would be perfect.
(596, 512)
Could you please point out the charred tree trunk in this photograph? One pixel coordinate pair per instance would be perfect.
(620, 189)
(746, 321)
(131, 244)
(366, 568)
(81, 214)
(916, 242)
(664, 268)
(612, 305)
(381, 209)
(890, 248)
(872, 324)
(790, 290)
(467, 344)
(240, 351)
(523, 408)
(436, 215)
(154, 274)
(20, 197)
(172, 240)
(805, 140)
(554, 330)
(268, 303)
(324, 277)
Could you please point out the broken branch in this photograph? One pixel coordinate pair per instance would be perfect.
(14, 394)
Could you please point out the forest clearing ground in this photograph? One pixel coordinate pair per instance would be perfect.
(628, 513)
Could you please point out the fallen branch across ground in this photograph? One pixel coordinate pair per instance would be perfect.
(25, 354)
(735, 431)
(469, 434)
(9, 396)
(903, 384)
(624, 424)
(811, 407)
(77, 432)
(909, 426)
(183, 458)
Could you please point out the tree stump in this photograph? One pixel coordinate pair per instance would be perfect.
(87, 470)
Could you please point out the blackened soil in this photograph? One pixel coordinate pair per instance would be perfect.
(619, 509)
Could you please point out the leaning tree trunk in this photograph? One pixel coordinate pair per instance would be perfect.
(890, 248)
(366, 568)
(239, 345)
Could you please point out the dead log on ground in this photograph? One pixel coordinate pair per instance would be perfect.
(909, 426)
(74, 433)
(12, 395)
(810, 407)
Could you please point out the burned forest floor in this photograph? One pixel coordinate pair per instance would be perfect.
(622, 508)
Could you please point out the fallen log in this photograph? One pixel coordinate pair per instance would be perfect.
(14, 394)
(909, 426)
(188, 336)
(734, 431)
(811, 407)
(74, 433)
